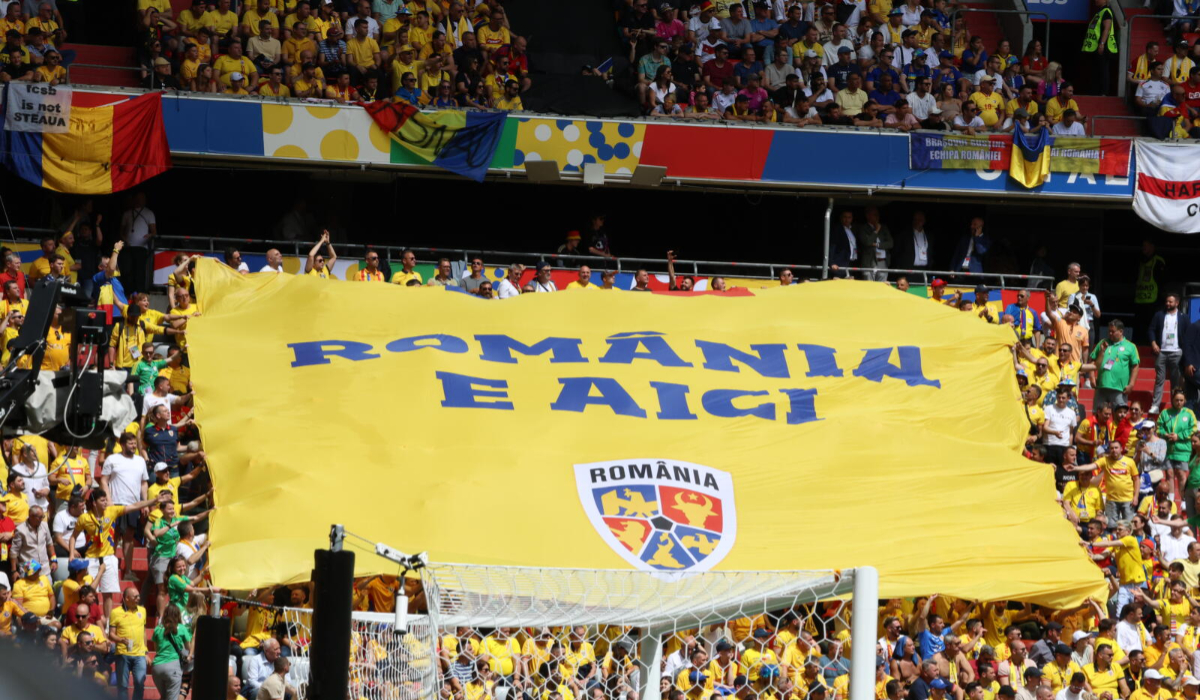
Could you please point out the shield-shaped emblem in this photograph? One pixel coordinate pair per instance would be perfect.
(660, 515)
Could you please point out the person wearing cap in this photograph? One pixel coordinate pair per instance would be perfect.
(34, 591)
(843, 67)
(1151, 687)
(542, 281)
(395, 28)
(1042, 651)
(160, 78)
(1060, 670)
(989, 102)
(1178, 67)
(915, 68)
(703, 25)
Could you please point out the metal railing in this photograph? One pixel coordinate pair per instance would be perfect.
(1125, 49)
(754, 270)
(751, 270)
(1127, 117)
(1025, 13)
(962, 279)
(100, 66)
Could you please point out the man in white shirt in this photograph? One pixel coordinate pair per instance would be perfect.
(542, 282)
(1175, 540)
(1069, 126)
(37, 479)
(124, 478)
(921, 100)
(969, 120)
(274, 261)
(1151, 92)
(839, 40)
(64, 525)
(1165, 331)
(138, 226)
(1129, 635)
(1060, 424)
(510, 286)
(160, 396)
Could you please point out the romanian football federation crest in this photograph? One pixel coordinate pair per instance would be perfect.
(660, 515)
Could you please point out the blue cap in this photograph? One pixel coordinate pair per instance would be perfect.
(939, 684)
(945, 54)
(77, 565)
(697, 678)
(895, 11)
(1067, 381)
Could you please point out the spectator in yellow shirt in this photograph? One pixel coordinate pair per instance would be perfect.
(252, 17)
(222, 21)
(989, 102)
(274, 86)
(363, 51)
(1061, 102)
(494, 34)
(511, 100)
(298, 43)
(235, 62)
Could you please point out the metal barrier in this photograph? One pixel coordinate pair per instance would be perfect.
(1128, 117)
(99, 66)
(431, 254)
(752, 270)
(1125, 49)
(1026, 13)
(960, 278)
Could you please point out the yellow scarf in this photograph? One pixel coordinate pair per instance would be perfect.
(1180, 68)
(1141, 71)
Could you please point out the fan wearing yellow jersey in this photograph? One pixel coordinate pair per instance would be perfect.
(319, 265)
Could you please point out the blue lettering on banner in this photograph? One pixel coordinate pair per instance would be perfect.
(793, 405)
(461, 391)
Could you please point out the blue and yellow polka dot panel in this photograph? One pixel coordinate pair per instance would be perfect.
(572, 142)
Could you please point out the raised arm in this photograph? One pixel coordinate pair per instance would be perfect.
(310, 263)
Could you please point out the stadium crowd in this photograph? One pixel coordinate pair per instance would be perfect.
(73, 523)
(874, 63)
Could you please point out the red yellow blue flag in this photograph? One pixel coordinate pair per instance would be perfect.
(98, 150)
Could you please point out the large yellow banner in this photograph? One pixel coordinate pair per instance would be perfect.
(819, 426)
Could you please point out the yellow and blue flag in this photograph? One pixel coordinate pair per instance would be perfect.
(1030, 161)
(461, 142)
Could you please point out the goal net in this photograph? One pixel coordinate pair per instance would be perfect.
(512, 633)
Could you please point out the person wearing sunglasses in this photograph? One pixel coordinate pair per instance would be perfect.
(319, 265)
(370, 273)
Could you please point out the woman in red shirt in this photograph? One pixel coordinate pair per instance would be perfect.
(1034, 63)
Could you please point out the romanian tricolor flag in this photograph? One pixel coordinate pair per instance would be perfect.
(105, 148)
(461, 142)
(1030, 161)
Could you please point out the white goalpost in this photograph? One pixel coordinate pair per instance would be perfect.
(517, 633)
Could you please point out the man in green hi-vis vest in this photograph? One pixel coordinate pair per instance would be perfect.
(1148, 290)
(1101, 40)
